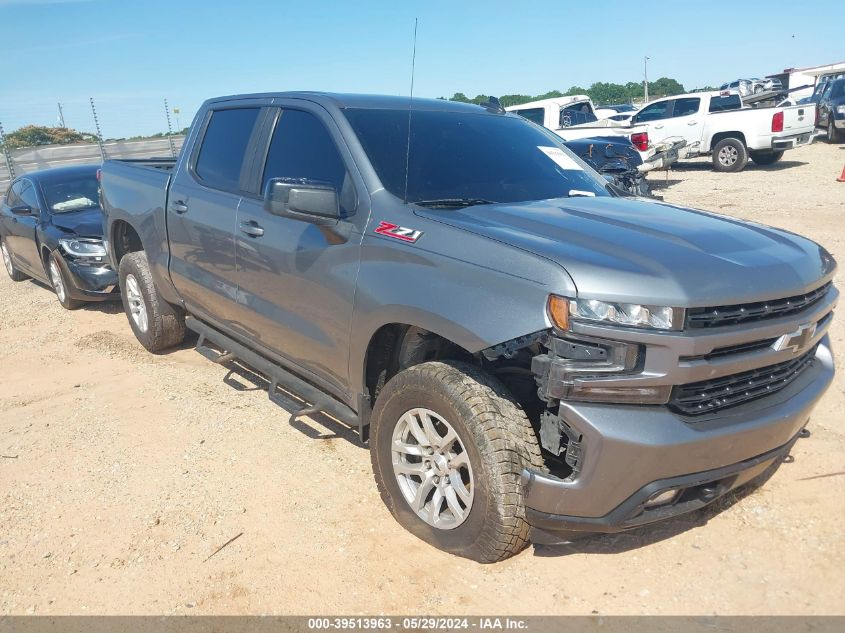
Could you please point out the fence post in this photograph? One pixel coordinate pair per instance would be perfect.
(169, 129)
(8, 156)
(99, 133)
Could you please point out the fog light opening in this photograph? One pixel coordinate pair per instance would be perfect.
(662, 498)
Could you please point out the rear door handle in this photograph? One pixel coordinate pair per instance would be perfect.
(252, 229)
(658, 127)
(692, 123)
(179, 207)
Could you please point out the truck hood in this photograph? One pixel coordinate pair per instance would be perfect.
(87, 223)
(636, 251)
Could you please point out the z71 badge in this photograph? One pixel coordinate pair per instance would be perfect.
(399, 232)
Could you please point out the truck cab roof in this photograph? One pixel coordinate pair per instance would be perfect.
(361, 101)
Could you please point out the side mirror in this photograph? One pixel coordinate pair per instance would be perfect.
(312, 201)
(22, 210)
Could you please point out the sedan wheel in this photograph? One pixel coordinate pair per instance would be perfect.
(137, 307)
(7, 260)
(57, 281)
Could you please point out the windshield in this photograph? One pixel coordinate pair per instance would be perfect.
(71, 193)
(467, 156)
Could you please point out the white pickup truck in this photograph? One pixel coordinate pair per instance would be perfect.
(717, 124)
(574, 118)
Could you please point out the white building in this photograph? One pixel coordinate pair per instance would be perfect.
(797, 77)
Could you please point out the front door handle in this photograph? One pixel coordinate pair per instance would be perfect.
(179, 207)
(692, 123)
(252, 229)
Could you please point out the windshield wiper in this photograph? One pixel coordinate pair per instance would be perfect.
(453, 203)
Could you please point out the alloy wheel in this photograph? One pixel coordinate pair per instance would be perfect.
(432, 468)
(7, 260)
(56, 279)
(728, 155)
(137, 307)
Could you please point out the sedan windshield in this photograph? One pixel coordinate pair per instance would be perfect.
(71, 193)
(462, 158)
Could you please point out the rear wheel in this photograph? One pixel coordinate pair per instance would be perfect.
(14, 273)
(766, 158)
(730, 155)
(60, 283)
(448, 444)
(157, 324)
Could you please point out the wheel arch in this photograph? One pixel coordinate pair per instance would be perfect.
(720, 136)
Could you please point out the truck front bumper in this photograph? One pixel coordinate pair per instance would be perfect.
(631, 455)
(780, 143)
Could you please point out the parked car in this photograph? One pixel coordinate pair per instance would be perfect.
(521, 348)
(615, 158)
(743, 87)
(51, 227)
(717, 124)
(765, 84)
(612, 111)
(573, 118)
(831, 110)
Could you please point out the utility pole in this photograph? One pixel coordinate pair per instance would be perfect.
(645, 76)
(9, 164)
(177, 112)
(99, 133)
(61, 116)
(169, 129)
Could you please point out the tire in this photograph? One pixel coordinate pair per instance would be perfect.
(493, 438)
(60, 283)
(157, 324)
(730, 155)
(765, 158)
(832, 133)
(14, 273)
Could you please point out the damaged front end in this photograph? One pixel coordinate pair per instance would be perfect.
(614, 157)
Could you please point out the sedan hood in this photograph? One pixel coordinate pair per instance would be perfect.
(637, 251)
(88, 223)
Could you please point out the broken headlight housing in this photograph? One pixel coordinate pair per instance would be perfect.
(587, 369)
(84, 248)
(564, 310)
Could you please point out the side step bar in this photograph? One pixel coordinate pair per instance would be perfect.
(320, 401)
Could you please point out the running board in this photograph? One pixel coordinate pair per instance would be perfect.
(320, 401)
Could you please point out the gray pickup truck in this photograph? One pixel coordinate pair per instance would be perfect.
(528, 353)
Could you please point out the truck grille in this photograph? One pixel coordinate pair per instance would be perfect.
(708, 396)
(743, 312)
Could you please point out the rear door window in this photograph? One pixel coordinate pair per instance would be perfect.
(221, 155)
(728, 102)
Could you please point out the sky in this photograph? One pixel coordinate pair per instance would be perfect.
(130, 55)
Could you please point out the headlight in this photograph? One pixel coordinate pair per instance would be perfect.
(630, 314)
(83, 247)
(841, 108)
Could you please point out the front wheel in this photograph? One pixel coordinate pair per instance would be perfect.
(832, 132)
(448, 444)
(766, 158)
(14, 273)
(157, 324)
(730, 155)
(60, 283)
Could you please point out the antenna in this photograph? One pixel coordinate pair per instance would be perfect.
(410, 102)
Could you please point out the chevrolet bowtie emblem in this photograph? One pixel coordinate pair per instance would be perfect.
(797, 340)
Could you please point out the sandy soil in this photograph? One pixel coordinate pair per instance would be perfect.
(123, 472)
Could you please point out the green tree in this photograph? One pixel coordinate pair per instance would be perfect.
(459, 96)
(665, 87)
(35, 135)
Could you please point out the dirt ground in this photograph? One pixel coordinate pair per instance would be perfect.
(123, 472)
